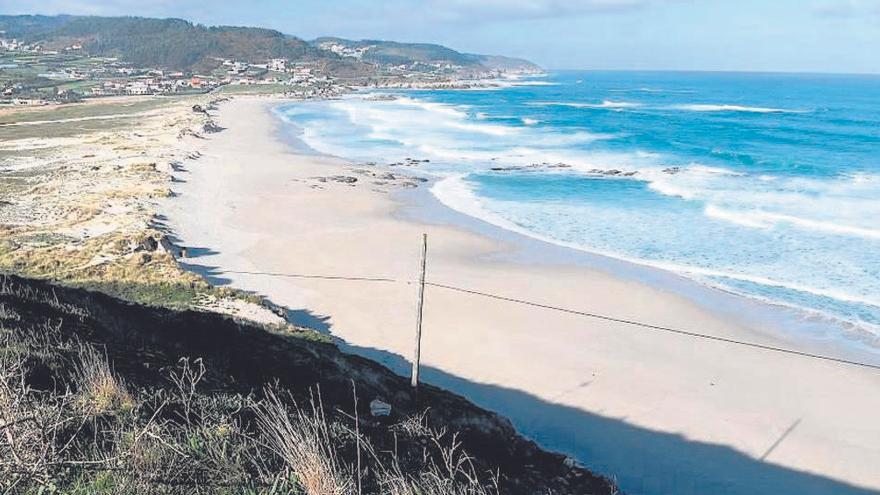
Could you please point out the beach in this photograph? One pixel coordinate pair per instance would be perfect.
(658, 412)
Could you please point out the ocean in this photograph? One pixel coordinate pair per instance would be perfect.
(765, 185)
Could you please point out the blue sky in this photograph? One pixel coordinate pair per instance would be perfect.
(759, 35)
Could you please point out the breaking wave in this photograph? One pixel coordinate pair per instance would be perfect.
(717, 200)
(702, 107)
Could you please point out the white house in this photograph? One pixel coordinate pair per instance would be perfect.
(277, 64)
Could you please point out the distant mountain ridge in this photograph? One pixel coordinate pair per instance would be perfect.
(392, 52)
(177, 44)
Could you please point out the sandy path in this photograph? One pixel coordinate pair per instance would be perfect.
(661, 413)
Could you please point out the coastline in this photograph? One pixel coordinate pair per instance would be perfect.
(252, 204)
(804, 329)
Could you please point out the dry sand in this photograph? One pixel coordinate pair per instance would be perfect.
(658, 412)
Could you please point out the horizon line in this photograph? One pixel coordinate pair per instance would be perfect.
(719, 71)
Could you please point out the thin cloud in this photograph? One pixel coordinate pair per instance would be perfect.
(492, 10)
(159, 8)
(467, 11)
(846, 9)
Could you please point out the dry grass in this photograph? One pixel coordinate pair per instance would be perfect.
(105, 179)
(7, 313)
(304, 442)
(99, 391)
(72, 422)
(91, 434)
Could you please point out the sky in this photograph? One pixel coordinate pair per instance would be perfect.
(738, 35)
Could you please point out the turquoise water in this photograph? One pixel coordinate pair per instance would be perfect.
(767, 185)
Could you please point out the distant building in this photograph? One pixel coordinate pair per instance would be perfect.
(29, 101)
(137, 88)
(236, 67)
(277, 64)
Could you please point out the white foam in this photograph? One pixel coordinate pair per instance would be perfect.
(610, 104)
(738, 218)
(732, 205)
(526, 83)
(490, 129)
(701, 107)
(766, 220)
(455, 193)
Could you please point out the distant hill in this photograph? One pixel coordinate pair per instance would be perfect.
(498, 62)
(394, 53)
(164, 43)
(176, 44)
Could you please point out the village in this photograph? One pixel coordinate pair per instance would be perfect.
(31, 75)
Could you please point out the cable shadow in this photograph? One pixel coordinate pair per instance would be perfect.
(639, 459)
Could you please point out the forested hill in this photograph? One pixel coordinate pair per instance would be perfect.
(176, 44)
(164, 43)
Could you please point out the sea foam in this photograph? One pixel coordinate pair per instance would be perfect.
(769, 208)
(701, 107)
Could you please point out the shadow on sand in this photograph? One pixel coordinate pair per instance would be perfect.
(640, 460)
(210, 273)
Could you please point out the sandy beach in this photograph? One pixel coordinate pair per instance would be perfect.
(660, 413)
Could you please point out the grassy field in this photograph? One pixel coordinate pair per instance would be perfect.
(253, 89)
(31, 71)
(90, 108)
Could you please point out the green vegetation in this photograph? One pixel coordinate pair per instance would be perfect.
(172, 44)
(167, 294)
(131, 108)
(253, 89)
(393, 53)
(175, 44)
(39, 75)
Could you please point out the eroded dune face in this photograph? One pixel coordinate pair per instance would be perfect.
(125, 365)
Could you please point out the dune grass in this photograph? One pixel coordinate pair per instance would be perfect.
(71, 425)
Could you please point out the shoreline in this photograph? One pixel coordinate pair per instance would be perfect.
(798, 326)
(657, 383)
(803, 328)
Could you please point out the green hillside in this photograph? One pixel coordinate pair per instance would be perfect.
(176, 44)
(394, 53)
(164, 43)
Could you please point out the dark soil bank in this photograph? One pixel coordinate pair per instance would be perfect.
(142, 343)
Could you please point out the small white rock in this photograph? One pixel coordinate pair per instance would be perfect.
(379, 408)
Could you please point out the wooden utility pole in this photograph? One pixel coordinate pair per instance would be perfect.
(418, 351)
